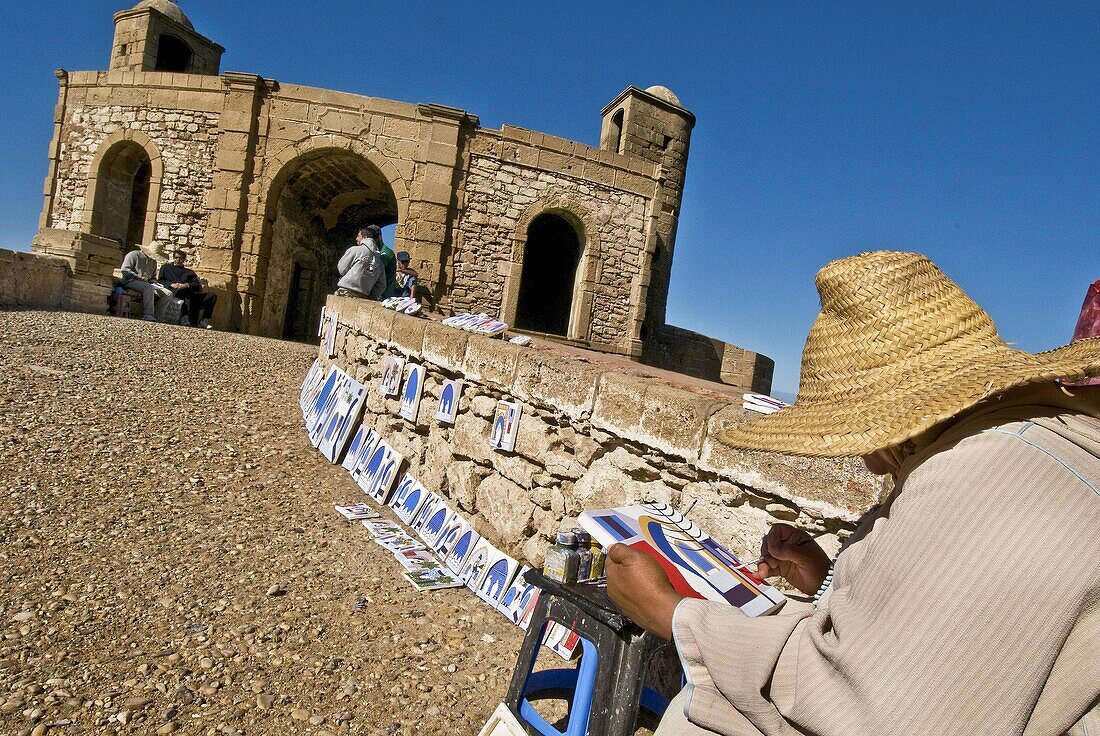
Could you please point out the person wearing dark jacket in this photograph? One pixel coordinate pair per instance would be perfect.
(185, 285)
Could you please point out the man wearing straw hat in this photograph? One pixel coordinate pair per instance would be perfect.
(969, 601)
(139, 270)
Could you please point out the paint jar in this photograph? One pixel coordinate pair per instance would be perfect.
(597, 560)
(584, 555)
(562, 559)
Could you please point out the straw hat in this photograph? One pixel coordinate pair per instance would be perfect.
(155, 250)
(897, 347)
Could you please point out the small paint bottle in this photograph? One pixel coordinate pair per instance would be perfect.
(562, 559)
(597, 560)
(584, 555)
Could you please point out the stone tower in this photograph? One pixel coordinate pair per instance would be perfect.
(652, 124)
(155, 36)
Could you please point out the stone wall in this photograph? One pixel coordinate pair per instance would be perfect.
(589, 438)
(693, 354)
(40, 281)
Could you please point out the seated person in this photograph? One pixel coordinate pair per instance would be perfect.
(185, 285)
(406, 276)
(362, 274)
(968, 602)
(138, 271)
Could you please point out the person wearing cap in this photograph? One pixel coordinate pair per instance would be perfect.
(139, 268)
(361, 272)
(968, 602)
(185, 285)
(407, 276)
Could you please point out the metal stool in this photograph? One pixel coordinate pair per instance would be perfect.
(606, 691)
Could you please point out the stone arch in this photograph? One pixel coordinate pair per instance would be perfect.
(110, 202)
(574, 213)
(314, 196)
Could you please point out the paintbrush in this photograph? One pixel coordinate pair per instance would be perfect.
(807, 540)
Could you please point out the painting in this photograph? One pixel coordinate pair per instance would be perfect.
(505, 425)
(366, 449)
(320, 397)
(477, 562)
(426, 511)
(324, 416)
(697, 566)
(352, 455)
(561, 640)
(449, 395)
(433, 524)
(408, 497)
(518, 602)
(410, 397)
(392, 368)
(333, 319)
(464, 544)
(313, 377)
(344, 416)
(449, 534)
(380, 471)
(496, 578)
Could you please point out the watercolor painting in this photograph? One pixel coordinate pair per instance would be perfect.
(496, 579)
(324, 416)
(432, 527)
(518, 602)
(410, 397)
(426, 511)
(313, 377)
(698, 566)
(449, 395)
(321, 397)
(366, 449)
(463, 546)
(505, 426)
(345, 415)
(561, 640)
(352, 455)
(333, 319)
(477, 562)
(449, 534)
(407, 498)
(380, 471)
(392, 368)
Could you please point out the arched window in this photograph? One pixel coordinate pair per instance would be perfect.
(121, 203)
(173, 54)
(616, 136)
(549, 274)
(300, 319)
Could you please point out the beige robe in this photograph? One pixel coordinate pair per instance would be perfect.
(969, 603)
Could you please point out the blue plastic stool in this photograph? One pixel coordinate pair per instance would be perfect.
(606, 691)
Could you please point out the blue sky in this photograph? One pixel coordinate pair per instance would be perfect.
(966, 131)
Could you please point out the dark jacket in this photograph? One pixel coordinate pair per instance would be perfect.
(170, 274)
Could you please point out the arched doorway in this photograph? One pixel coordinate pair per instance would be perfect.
(173, 54)
(547, 282)
(120, 205)
(316, 204)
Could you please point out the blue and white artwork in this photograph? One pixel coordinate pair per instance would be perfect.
(447, 410)
(345, 415)
(432, 527)
(477, 563)
(426, 511)
(309, 386)
(333, 318)
(410, 397)
(497, 577)
(324, 421)
(518, 602)
(392, 368)
(505, 426)
(463, 546)
(380, 471)
(351, 457)
(366, 450)
(408, 497)
(448, 535)
(320, 397)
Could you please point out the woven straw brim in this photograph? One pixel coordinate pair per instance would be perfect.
(883, 413)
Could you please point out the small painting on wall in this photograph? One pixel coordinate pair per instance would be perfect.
(392, 367)
(447, 411)
(410, 397)
(505, 426)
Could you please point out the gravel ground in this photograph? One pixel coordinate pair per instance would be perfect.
(171, 561)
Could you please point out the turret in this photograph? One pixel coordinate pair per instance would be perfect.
(156, 36)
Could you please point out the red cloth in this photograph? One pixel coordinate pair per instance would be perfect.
(1088, 324)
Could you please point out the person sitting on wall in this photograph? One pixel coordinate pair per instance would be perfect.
(185, 285)
(407, 276)
(139, 268)
(361, 272)
(389, 261)
(969, 601)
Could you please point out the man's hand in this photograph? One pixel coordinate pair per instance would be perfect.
(789, 552)
(639, 586)
(178, 286)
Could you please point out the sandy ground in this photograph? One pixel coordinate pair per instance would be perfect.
(157, 485)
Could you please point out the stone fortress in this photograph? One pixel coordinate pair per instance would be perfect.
(265, 184)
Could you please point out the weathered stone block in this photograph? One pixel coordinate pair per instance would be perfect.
(618, 406)
(492, 361)
(565, 384)
(506, 507)
(445, 346)
(407, 334)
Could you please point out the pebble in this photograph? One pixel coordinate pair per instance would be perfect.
(300, 714)
(265, 701)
